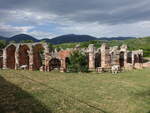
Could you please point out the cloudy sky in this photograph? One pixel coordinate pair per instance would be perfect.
(50, 18)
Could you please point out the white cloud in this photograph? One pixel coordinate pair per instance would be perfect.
(138, 29)
(94, 17)
(41, 35)
(8, 30)
(26, 17)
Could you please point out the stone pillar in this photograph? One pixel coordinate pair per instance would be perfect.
(105, 56)
(125, 58)
(63, 65)
(124, 48)
(91, 57)
(133, 59)
(4, 59)
(31, 63)
(17, 58)
(47, 57)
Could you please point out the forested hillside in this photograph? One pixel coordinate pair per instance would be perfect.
(133, 44)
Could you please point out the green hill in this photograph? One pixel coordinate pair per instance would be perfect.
(133, 44)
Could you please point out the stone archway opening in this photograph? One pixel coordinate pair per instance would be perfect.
(97, 60)
(140, 58)
(113, 60)
(129, 57)
(136, 59)
(54, 63)
(23, 56)
(10, 56)
(38, 56)
(67, 61)
(121, 59)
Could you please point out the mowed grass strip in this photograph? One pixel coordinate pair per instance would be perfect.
(126, 92)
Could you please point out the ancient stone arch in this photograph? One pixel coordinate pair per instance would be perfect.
(97, 60)
(121, 59)
(10, 56)
(129, 57)
(23, 55)
(54, 63)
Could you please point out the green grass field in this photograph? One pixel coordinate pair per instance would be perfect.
(55, 92)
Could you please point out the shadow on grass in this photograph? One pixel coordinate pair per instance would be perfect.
(15, 100)
(145, 96)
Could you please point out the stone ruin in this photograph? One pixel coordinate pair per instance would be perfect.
(36, 56)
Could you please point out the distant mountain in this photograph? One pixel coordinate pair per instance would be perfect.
(71, 38)
(20, 37)
(3, 38)
(46, 40)
(115, 38)
(61, 39)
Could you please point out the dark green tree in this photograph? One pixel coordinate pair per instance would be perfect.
(3, 43)
(27, 41)
(50, 46)
(77, 62)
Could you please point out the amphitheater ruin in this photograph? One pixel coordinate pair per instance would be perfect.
(101, 59)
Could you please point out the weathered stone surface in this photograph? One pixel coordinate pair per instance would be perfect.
(105, 56)
(10, 56)
(91, 57)
(147, 64)
(38, 57)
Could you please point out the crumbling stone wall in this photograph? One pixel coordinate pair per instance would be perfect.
(37, 56)
(15, 55)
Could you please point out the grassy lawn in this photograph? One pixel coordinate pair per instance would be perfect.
(55, 92)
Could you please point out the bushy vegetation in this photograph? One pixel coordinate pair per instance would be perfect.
(133, 44)
(3, 43)
(27, 41)
(77, 62)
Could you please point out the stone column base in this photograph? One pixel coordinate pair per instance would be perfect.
(62, 70)
(99, 69)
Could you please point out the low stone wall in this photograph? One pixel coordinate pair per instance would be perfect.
(147, 64)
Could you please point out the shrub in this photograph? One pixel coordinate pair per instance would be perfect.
(77, 62)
